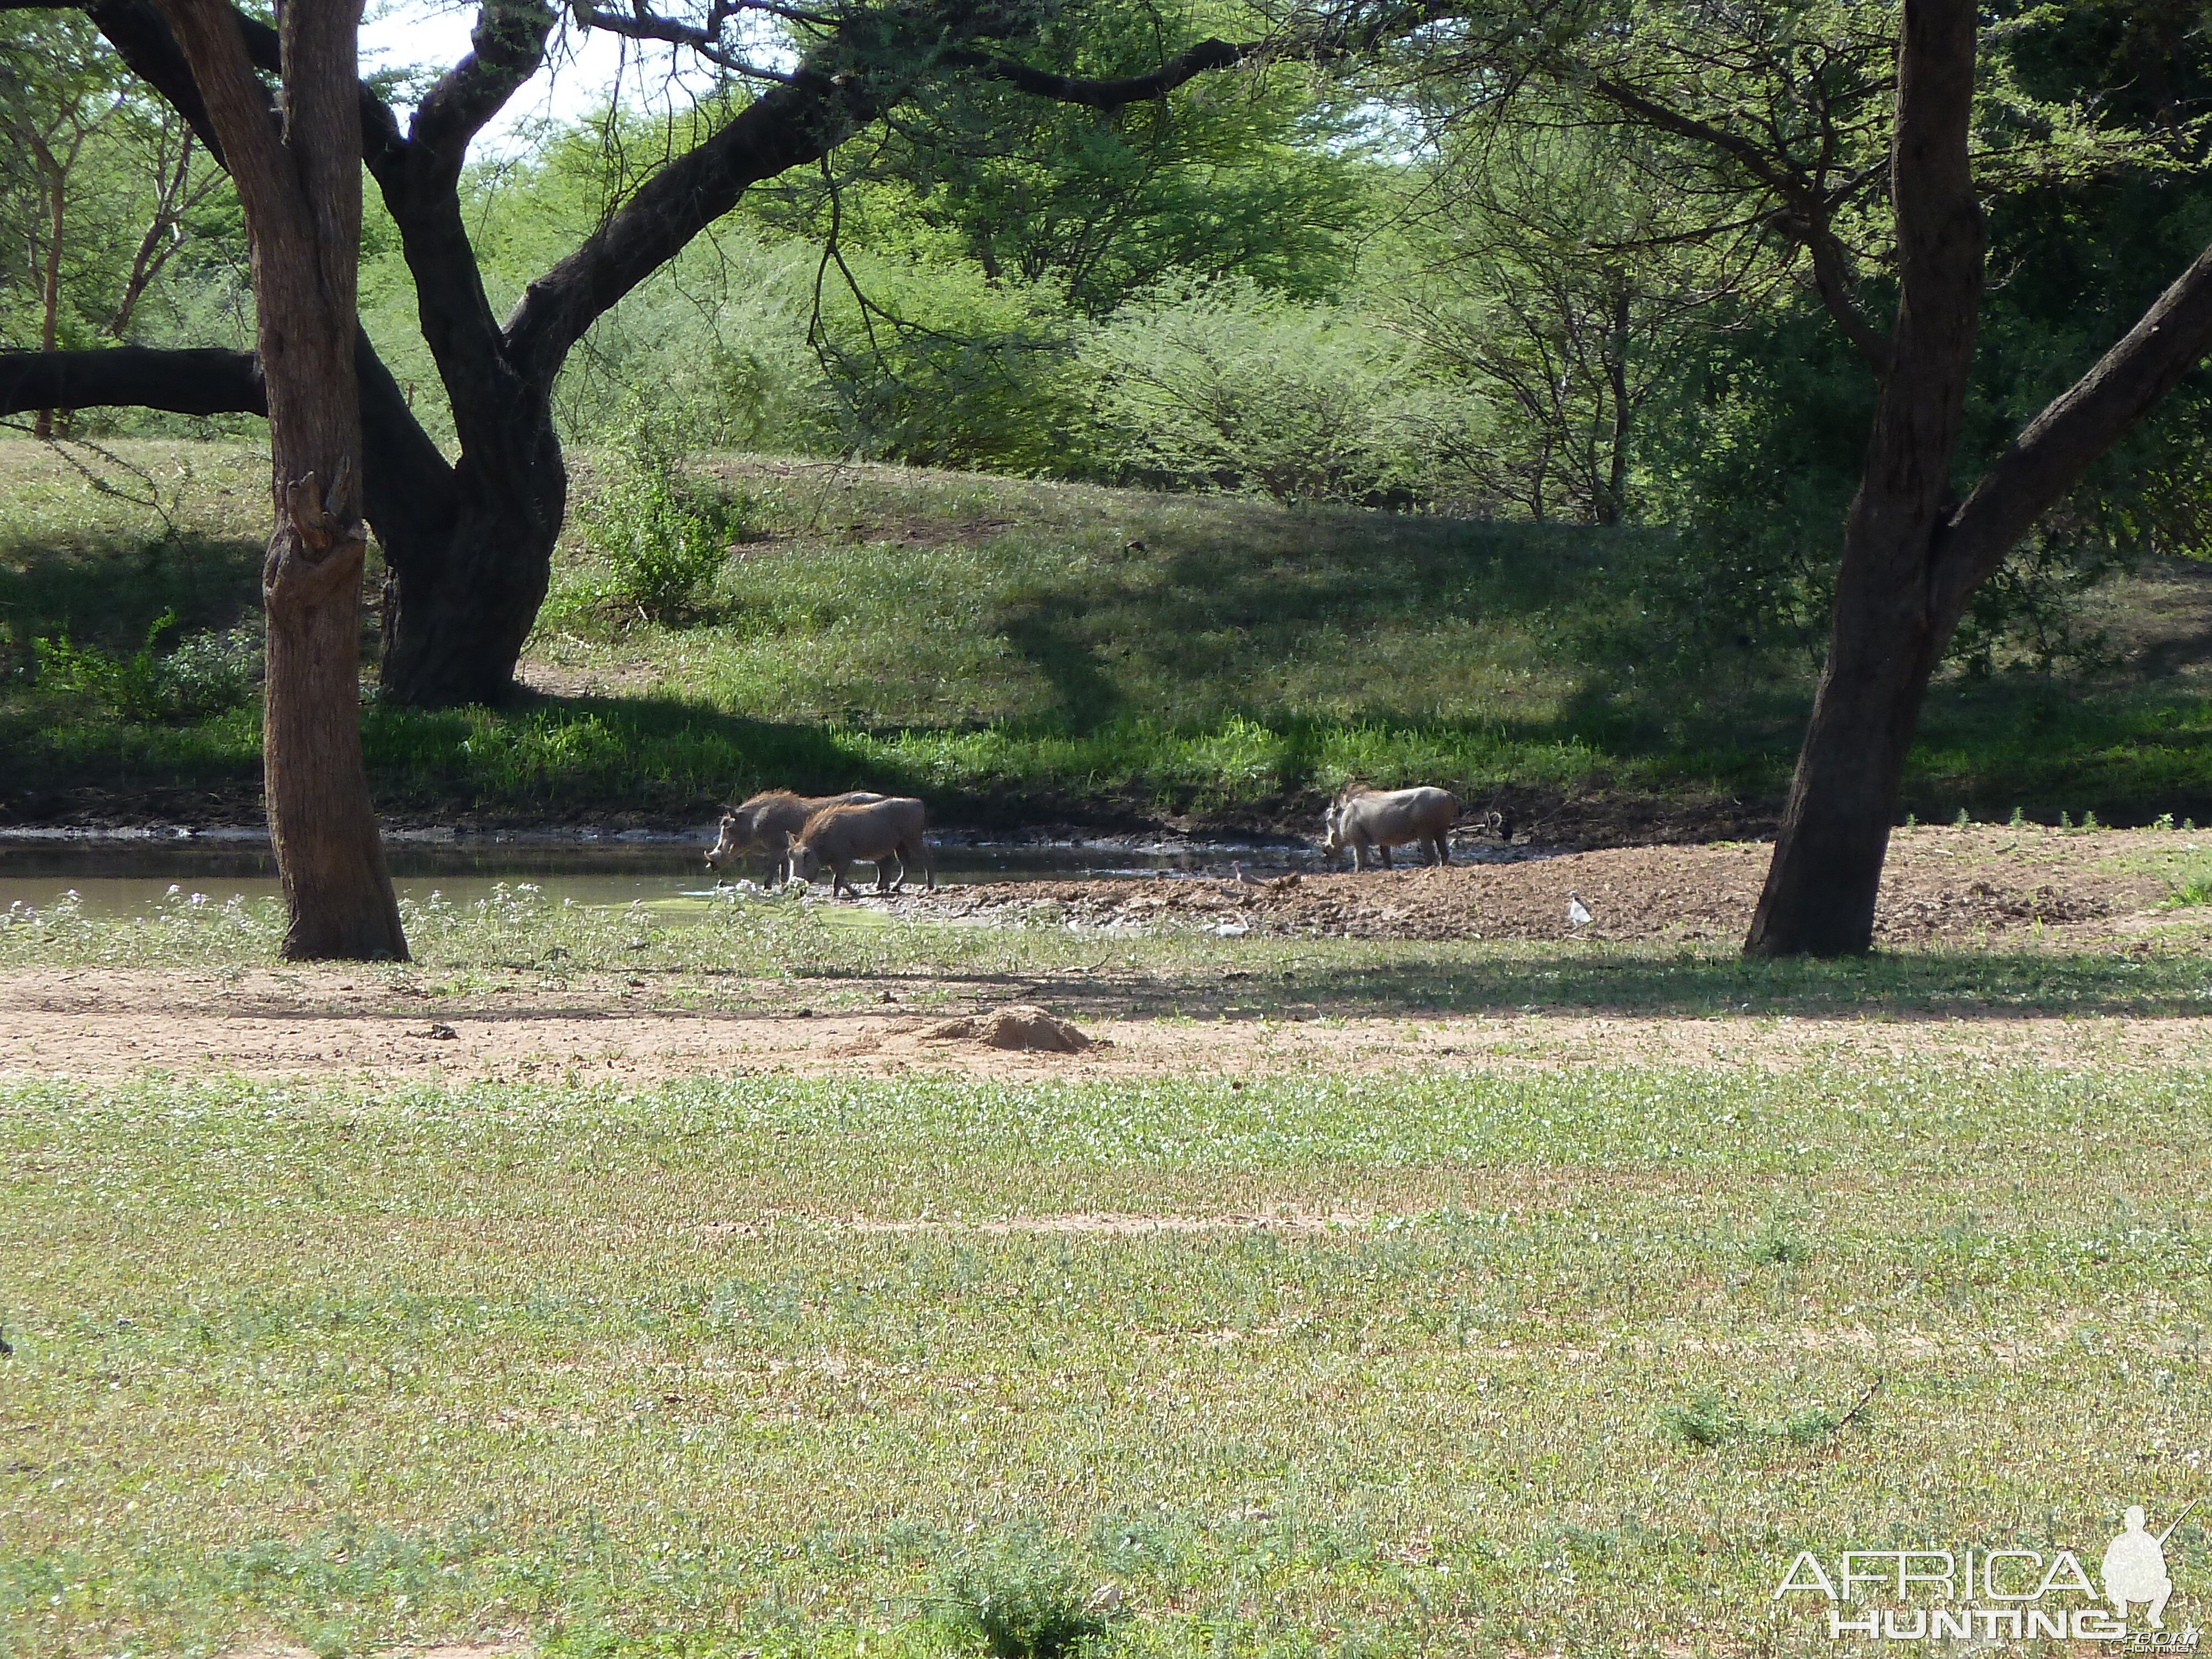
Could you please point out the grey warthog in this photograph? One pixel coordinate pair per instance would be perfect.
(884, 831)
(769, 821)
(1362, 817)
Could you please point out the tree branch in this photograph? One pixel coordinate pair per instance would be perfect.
(408, 487)
(2079, 425)
(201, 382)
(1832, 281)
(1807, 215)
(1206, 55)
(787, 127)
(508, 46)
(705, 39)
(420, 178)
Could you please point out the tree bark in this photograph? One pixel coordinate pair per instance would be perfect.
(195, 381)
(463, 595)
(1886, 635)
(1613, 498)
(57, 183)
(299, 184)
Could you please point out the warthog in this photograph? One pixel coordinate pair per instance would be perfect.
(769, 821)
(884, 831)
(1382, 818)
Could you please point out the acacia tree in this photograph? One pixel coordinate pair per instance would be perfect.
(297, 167)
(50, 121)
(468, 544)
(1847, 130)
(1553, 276)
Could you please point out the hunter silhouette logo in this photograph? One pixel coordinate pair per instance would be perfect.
(2134, 1567)
(1988, 1595)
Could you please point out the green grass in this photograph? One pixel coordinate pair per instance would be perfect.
(1024, 652)
(730, 1367)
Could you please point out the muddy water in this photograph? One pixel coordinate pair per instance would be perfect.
(130, 875)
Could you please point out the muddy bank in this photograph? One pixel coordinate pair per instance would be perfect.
(1941, 885)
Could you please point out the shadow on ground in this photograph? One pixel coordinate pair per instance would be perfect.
(1429, 980)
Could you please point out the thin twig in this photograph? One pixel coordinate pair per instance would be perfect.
(1843, 1421)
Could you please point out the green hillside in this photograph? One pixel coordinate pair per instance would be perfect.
(1026, 653)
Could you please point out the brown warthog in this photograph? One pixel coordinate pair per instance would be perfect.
(884, 831)
(1362, 817)
(769, 821)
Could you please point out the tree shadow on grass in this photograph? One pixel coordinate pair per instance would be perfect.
(1420, 981)
(111, 592)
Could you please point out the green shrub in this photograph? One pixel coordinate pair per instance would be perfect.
(2193, 891)
(939, 368)
(205, 674)
(1704, 1422)
(1778, 1247)
(664, 541)
(1020, 1601)
(1810, 1427)
(1225, 386)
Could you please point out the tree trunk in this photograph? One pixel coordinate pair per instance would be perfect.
(301, 193)
(463, 594)
(1827, 871)
(1887, 633)
(1612, 504)
(42, 428)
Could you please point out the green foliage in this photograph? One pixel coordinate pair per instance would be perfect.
(1225, 385)
(1812, 1426)
(2191, 890)
(1702, 1422)
(1027, 652)
(204, 674)
(713, 353)
(1263, 174)
(1019, 1600)
(138, 202)
(663, 541)
(934, 364)
(1778, 1247)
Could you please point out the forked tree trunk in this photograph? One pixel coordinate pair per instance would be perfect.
(301, 192)
(1887, 634)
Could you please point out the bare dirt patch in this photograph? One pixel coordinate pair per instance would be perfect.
(2016, 890)
(1943, 886)
(302, 1024)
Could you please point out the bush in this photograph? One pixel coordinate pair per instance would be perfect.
(934, 366)
(1777, 1247)
(663, 540)
(1021, 1603)
(715, 349)
(208, 673)
(1704, 1422)
(1226, 386)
